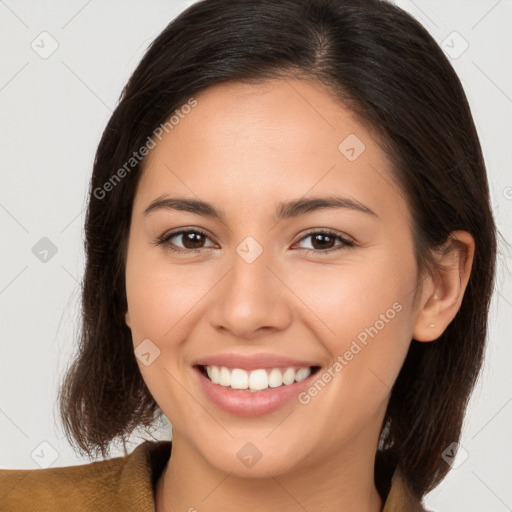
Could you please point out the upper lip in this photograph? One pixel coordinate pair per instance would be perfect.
(252, 362)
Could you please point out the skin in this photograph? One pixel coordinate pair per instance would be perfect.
(245, 148)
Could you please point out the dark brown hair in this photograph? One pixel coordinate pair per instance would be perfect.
(379, 61)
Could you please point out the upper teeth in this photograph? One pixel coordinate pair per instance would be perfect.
(255, 380)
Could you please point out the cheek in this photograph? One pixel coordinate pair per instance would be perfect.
(164, 301)
(349, 297)
(160, 301)
(363, 317)
(156, 294)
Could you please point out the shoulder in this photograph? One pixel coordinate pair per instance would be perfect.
(122, 483)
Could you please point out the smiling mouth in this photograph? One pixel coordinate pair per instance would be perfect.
(263, 379)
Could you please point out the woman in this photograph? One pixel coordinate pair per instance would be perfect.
(290, 255)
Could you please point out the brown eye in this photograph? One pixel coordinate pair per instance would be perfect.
(325, 241)
(191, 240)
(321, 241)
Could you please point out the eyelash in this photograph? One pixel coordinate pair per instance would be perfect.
(164, 241)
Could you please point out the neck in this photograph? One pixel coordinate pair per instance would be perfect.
(341, 481)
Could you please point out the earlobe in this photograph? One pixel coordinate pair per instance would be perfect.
(449, 284)
(127, 319)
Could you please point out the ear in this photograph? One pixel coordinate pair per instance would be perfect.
(444, 291)
(127, 319)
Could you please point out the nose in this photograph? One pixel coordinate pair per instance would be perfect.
(251, 300)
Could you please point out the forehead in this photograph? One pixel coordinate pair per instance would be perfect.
(244, 142)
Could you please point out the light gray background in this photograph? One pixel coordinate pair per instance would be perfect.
(52, 113)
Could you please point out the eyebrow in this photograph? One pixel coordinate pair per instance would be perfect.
(284, 210)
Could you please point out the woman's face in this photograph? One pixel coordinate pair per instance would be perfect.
(270, 278)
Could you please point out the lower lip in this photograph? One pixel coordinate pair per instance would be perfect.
(249, 404)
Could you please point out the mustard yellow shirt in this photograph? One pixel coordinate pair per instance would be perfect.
(121, 484)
